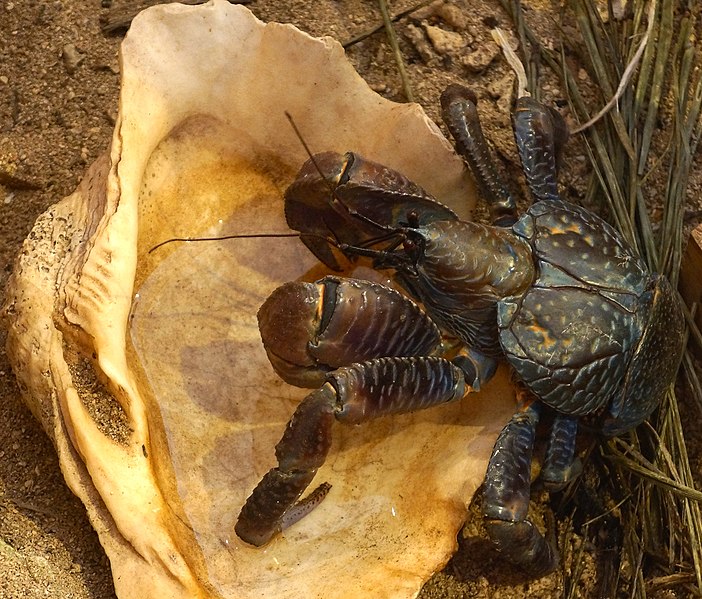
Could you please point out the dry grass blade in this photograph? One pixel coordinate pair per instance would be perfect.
(392, 39)
(660, 506)
(626, 76)
(511, 57)
(366, 34)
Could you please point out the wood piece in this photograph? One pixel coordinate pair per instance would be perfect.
(119, 18)
(690, 284)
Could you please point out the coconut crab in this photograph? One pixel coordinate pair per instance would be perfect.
(557, 292)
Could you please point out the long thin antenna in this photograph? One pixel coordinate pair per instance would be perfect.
(222, 238)
(311, 156)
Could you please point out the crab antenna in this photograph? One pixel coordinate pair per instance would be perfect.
(332, 190)
(222, 238)
(385, 258)
(257, 235)
(333, 241)
(398, 234)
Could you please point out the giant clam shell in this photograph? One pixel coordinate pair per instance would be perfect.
(146, 369)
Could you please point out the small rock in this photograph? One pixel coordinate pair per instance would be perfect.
(71, 58)
(453, 16)
(501, 91)
(111, 67)
(428, 11)
(481, 58)
(111, 116)
(444, 42)
(419, 41)
(4, 79)
(620, 9)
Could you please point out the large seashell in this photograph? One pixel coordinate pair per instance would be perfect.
(146, 369)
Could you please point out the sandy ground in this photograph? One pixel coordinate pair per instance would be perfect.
(59, 79)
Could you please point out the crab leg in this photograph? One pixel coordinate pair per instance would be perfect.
(352, 395)
(458, 110)
(540, 133)
(561, 466)
(506, 497)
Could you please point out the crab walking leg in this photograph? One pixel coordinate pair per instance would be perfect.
(540, 133)
(301, 451)
(506, 497)
(458, 110)
(561, 466)
(352, 395)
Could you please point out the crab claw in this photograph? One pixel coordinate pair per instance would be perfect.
(309, 329)
(350, 200)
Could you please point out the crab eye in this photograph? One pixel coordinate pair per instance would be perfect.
(410, 246)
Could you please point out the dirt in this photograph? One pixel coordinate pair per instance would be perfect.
(59, 82)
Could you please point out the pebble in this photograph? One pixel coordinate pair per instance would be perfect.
(481, 58)
(444, 42)
(419, 41)
(453, 16)
(428, 11)
(71, 58)
(4, 79)
(379, 88)
(501, 91)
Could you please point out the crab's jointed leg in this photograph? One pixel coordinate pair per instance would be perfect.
(507, 493)
(352, 395)
(560, 465)
(540, 134)
(458, 110)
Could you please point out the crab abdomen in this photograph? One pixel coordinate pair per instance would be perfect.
(572, 335)
(654, 364)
